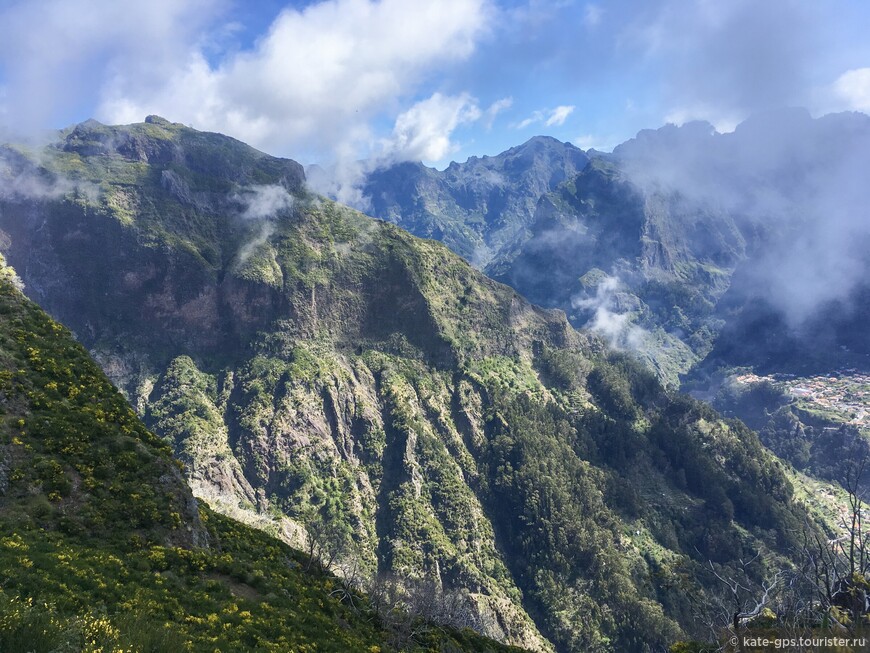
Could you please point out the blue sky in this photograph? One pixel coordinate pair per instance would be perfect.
(439, 80)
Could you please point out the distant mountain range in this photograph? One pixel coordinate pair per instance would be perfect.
(700, 253)
(323, 374)
(692, 236)
(478, 208)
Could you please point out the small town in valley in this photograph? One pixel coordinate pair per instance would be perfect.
(841, 396)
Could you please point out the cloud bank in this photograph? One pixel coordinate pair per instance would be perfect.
(60, 52)
(723, 61)
(317, 77)
(796, 187)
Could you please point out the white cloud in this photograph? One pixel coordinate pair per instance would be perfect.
(614, 325)
(261, 204)
(592, 15)
(853, 88)
(549, 117)
(59, 52)
(558, 116)
(594, 142)
(737, 57)
(423, 131)
(264, 201)
(537, 116)
(496, 108)
(317, 76)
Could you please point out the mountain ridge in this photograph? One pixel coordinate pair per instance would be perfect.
(708, 254)
(467, 205)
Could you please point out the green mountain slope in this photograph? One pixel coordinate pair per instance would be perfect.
(102, 546)
(318, 371)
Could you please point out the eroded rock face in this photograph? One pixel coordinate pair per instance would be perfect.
(359, 433)
(478, 208)
(283, 397)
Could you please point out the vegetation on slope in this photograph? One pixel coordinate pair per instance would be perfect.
(334, 374)
(102, 547)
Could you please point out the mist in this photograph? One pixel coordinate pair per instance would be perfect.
(795, 186)
(261, 202)
(262, 205)
(342, 182)
(610, 309)
(21, 180)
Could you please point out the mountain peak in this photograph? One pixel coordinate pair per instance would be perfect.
(158, 120)
(543, 143)
(545, 140)
(216, 160)
(668, 137)
(91, 123)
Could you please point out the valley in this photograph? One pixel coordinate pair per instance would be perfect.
(434, 326)
(673, 246)
(840, 397)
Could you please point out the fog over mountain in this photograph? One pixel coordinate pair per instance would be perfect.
(678, 236)
(796, 187)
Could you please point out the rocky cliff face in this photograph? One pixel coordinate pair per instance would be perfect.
(320, 372)
(102, 544)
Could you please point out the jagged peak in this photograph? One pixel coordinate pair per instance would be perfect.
(544, 139)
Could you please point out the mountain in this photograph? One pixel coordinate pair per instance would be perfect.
(642, 269)
(579, 232)
(709, 254)
(103, 547)
(478, 207)
(338, 381)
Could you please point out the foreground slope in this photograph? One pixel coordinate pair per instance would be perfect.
(102, 546)
(319, 371)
